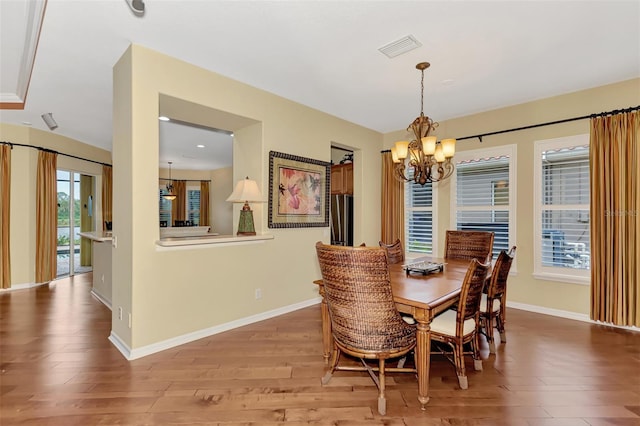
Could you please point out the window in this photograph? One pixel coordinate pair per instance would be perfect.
(483, 196)
(562, 240)
(165, 207)
(419, 224)
(192, 207)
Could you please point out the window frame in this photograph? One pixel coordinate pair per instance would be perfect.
(162, 190)
(551, 273)
(189, 187)
(193, 187)
(434, 222)
(499, 151)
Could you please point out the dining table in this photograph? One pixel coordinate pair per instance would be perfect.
(421, 295)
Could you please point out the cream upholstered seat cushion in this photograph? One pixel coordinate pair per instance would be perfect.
(483, 304)
(445, 323)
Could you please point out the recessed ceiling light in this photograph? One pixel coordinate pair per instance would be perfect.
(200, 146)
(163, 118)
(26, 123)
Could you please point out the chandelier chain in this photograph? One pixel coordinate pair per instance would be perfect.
(422, 94)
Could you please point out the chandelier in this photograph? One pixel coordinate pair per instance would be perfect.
(429, 159)
(170, 194)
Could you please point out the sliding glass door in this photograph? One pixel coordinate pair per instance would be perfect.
(75, 214)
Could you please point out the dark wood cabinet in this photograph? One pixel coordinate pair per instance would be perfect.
(342, 179)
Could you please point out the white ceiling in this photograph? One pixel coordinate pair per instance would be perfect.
(324, 54)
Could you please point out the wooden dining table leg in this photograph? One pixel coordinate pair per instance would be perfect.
(423, 358)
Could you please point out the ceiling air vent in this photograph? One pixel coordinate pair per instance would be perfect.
(398, 47)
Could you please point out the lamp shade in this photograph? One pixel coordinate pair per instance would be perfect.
(246, 191)
(439, 155)
(448, 147)
(394, 155)
(402, 149)
(429, 145)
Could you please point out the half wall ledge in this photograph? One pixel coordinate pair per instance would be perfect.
(211, 240)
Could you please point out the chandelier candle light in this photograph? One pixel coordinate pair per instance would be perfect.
(429, 159)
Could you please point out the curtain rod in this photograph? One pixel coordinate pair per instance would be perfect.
(549, 123)
(39, 148)
(186, 180)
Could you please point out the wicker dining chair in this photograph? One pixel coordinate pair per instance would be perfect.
(494, 301)
(365, 322)
(395, 251)
(469, 245)
(459, 327)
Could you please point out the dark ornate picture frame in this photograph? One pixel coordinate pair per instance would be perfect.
(298, 191)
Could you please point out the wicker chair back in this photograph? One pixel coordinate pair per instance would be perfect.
(395, 251)
(357, 289)
(471, 292)
(469, 245)
(498, 281)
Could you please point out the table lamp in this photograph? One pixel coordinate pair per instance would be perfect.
(246, 191)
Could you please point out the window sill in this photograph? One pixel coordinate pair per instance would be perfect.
(571, 279)
(211, 240)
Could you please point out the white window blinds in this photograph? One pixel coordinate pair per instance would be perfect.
(565, 207)
(482, 200)
(419, 217)
(193, 206)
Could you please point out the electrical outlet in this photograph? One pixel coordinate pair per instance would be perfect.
(258, 293)
(102, 278)
(114, 242)
(120, 313)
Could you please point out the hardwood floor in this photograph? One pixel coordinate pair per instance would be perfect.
(58, 368)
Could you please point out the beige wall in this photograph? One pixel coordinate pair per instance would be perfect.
(523, 288)
(23, 188)
(222, 211)
(173, 292)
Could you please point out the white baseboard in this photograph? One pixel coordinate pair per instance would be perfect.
(23, 286)
(120, 345)
(104, 301)
(564, 314)
(136, 353)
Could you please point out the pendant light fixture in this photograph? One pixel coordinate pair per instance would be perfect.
(170, 195)
(430, 160)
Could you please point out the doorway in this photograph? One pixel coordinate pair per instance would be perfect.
(75, 193)
(341, 213)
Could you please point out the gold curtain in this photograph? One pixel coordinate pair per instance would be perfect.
(204, 203)
(5, 203)
(615, 219)
(178, 210)
(46, 217)
(107, 195)
(392, 203)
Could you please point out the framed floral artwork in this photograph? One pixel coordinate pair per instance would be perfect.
(298, 191)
